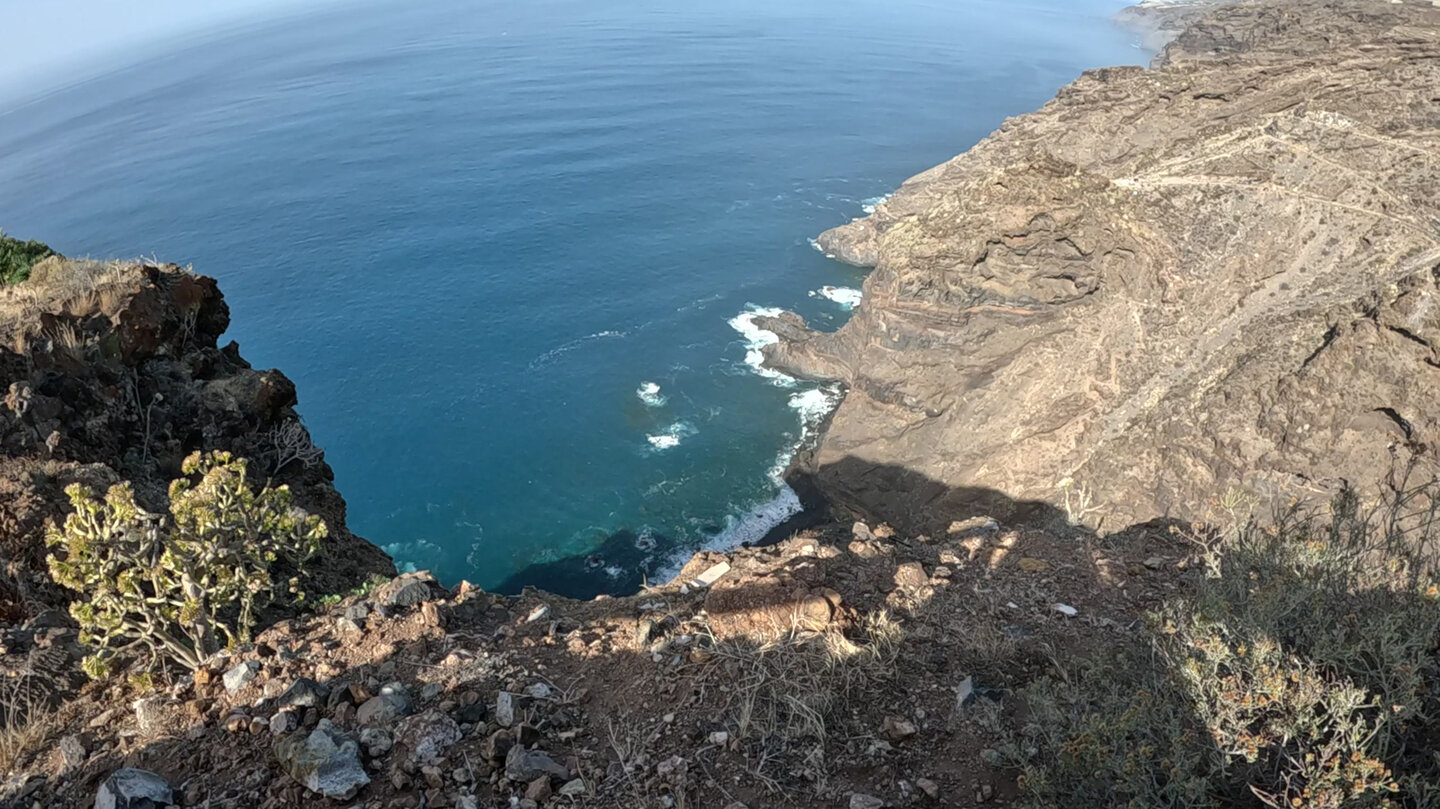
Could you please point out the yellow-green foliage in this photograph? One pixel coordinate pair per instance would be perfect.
(154, 591)
(1300, 672)
(17, 257)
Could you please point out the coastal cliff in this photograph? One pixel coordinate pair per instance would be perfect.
(112, 371)
(1216, 273)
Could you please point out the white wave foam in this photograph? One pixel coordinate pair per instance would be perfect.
(649, 393)
(554, 353)
(750, 525)
(753, 523)
(411, 556)
(822, 251)
(847, 297)
(813, 406)
(868, 205)
(756, 339)
(671, 436)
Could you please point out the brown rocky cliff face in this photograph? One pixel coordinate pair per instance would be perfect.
(113, 373)
(1221, 272)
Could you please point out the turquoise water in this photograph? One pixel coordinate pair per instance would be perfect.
(502, 247)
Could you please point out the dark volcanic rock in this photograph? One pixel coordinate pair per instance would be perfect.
(1219, 273)
(111, 372)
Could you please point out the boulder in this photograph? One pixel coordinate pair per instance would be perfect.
(132, 788)
(406, 590)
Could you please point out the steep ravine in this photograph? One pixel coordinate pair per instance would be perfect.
(1216, 274)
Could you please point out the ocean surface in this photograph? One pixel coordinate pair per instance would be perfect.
(508, 250)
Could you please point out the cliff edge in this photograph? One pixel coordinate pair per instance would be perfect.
(1217, 273)
(112, 371)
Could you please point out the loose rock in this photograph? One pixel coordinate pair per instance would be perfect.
(241, 675)
(427, 735)
(527, 765)
(324, 761)
(131, 788)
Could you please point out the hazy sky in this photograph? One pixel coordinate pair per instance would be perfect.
(48, 41)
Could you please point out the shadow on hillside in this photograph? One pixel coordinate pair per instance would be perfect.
(624, 682)
(620, 566)
(907, 500)
(624, 678)
(1300, 669)
(917, 504)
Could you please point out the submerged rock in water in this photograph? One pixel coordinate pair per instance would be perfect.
(1163, 284)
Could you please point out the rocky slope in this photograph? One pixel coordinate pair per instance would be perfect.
(846, 667)
(1216, 274)
(114, 372)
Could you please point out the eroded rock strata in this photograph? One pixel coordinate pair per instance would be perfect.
(1219, 273)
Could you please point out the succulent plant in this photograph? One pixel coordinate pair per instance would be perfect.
(157, 591)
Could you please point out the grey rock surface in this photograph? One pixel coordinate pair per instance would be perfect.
(132, 788)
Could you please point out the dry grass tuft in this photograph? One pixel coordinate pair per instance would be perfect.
(787, 688)
(26, 725)
(75, 288)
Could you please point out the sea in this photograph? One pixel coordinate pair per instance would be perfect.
(510, 252)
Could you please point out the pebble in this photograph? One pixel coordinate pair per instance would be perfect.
(505, 708)
(241, 675)
(283, 722)
(897, 728)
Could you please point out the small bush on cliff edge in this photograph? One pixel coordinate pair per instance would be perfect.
(1302, 672)
(155, 592)
(17, 257)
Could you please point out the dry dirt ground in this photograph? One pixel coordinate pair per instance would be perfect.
(845, 667)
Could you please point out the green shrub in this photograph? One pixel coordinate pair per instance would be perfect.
(1300, 672)
(17, 257)
(154, 592)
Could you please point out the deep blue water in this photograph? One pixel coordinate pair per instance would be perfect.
(471, 231)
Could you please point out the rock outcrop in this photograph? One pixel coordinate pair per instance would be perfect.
(1219, 273)
(113, 372)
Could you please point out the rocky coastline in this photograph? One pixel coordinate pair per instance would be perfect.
(1211, 274)
(1205, 287)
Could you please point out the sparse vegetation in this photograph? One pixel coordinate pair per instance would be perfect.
(17, 257)
(363, 590)
(26, 722)
(785, 689)
(159, 592)
(290, 442)
(1299, 673)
